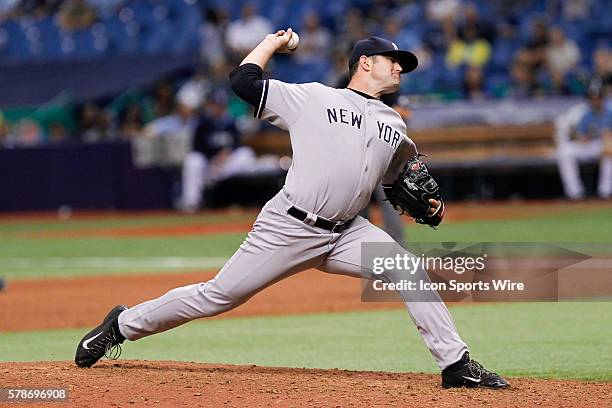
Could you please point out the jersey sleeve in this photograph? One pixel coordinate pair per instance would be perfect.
(282, 103)
(405, 151)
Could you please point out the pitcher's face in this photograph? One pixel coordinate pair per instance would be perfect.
(386, 71)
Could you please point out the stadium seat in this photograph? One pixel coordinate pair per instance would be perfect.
(311, 71)
(124, 37)
(86, 46)
(16, 46)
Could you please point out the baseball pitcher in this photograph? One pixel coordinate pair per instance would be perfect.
(345, 143)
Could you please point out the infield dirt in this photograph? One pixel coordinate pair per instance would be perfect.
(172, 384)
(68, 301)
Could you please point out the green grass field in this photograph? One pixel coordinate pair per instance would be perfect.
(564, 340)
(561, 340)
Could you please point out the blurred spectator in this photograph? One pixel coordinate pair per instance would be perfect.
(27, 132)
(593, 126)
(198, 83)
(215, 137)
(4, 132)
(76, 15)
(212, 33)
(131, 121)
(408, 11)
(58, 133)
(218, 74)
(439, 10)
(163, 99)
(460, 31)
(602, 68)
(375, 12)
(405, 39)
(181, 122)
(105, 7)
(509, 9)
(505, 47)
(523, 83)
(91, 124)
(245, 33)
(218, 83)
(352, 28)
(105, 124)
(562, 54)
(337, 76)
(470, 50)
(38, 8)
(557, 85)
(7, 7)
(314, 40)
(472, 21)
(216, 154)
(533, 54)
(573, 10)
(473, 84)
(439, 36)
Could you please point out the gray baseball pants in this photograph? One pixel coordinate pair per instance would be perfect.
(277, 247)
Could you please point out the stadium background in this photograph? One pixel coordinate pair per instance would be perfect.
(88, 193)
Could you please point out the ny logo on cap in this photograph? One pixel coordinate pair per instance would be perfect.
(394, 46)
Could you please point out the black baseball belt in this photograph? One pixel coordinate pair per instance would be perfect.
(320, 222)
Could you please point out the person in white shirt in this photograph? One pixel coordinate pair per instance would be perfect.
(562, 53)
(245, 33)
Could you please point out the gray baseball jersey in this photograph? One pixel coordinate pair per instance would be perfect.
(344, 144)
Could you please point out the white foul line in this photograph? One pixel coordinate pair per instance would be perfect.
(162, 262)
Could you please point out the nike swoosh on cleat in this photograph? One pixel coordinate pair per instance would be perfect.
(86, 342)
(476, 380)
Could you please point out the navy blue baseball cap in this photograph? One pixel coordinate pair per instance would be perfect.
(379, 46)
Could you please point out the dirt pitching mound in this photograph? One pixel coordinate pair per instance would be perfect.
(171, 384)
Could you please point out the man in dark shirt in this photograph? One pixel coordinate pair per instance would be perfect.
(216, 152)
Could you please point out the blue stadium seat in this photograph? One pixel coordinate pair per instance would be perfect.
(187, 19)
(172, 26)
(419, 82)
(486, 9)
(283, 69)
(124, 37)
(17, 45)
(603, 24)
(50, 37)
(449, 78)
(311, 71)
(85, 45)
(157, 39)
(143, 11)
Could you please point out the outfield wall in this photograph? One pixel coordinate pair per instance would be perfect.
(92, 176)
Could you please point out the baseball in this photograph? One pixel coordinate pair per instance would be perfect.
(293, 41)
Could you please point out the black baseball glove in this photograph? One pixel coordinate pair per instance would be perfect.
(412, 191)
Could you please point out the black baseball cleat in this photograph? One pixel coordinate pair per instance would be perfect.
(102, 341)
(469, 373)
